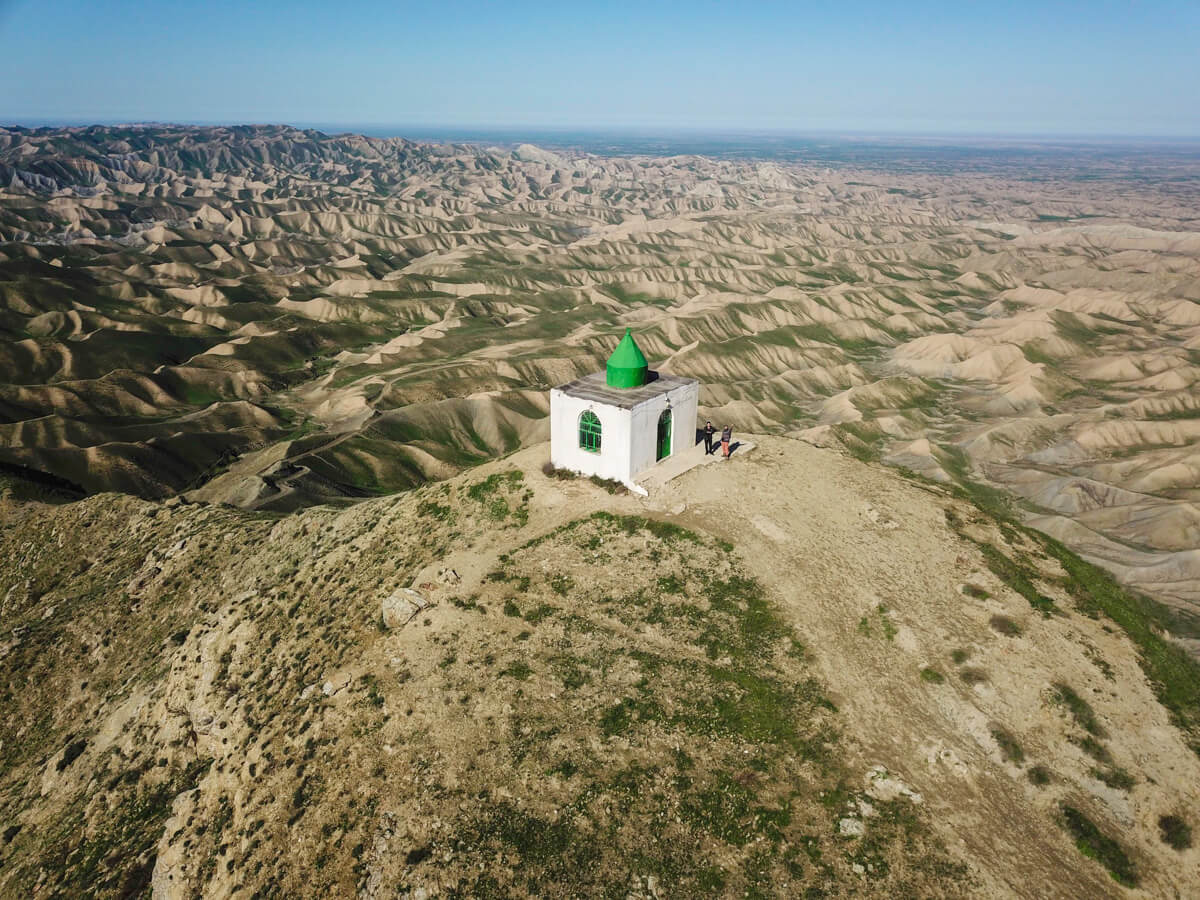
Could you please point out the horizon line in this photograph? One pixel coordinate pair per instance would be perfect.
(600, 130)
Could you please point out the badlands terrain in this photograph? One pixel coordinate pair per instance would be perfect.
(273, 318)
(290, 607)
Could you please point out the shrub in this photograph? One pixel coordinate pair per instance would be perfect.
(1005, 626)
(609, 484)
(1095, 844)
(933, 676)
(1039, 776)
(1080, 710)
(1114, 777)
(1175, 832)
(1009, 747)
(552, 471)
(1094, 749)
(973, 676)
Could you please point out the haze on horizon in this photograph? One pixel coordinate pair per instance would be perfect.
(1026, 68)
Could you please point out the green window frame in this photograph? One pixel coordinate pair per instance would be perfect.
(589, 431)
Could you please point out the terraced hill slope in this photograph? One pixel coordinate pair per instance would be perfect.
(274, 317)
(788, 674)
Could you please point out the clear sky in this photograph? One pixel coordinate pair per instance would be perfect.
(1114, 68)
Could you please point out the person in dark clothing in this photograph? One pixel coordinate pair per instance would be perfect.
(726, 437)
(709, 431)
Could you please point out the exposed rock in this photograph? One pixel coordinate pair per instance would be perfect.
(399, 607)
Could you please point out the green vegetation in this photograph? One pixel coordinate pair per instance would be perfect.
(1175, 832)
(878, 620)
(609, 484)
(1095, 844)
(482, 490)
(1010, 748)
(933, 676)
(519, 670)
(1016, 577)
(496, 495)
(864, 441)
(1174, 675)
(993, 501)
(1093, 748)
(714, 735)
(1114, 777)
(1039, 776)
(1081, 711)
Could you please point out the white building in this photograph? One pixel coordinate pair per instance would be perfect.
(620, 422)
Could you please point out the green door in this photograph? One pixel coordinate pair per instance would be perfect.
(664, 435)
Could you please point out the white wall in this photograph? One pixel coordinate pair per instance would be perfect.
(629, 438)
(683, 401)
(613, 459)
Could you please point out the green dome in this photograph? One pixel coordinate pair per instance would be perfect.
(627, 367)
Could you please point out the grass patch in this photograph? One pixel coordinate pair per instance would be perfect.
(519, 670)
(1095, 844)
(933, 676)
(868, 624)
(863, 441)
(1114, 777)
(1174, 675)
(1016, 577)
(430, 510)
(1010, 748)
(1094, 749)
(1081, 711)
(991, 500)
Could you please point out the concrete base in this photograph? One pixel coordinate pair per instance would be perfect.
(685, 460)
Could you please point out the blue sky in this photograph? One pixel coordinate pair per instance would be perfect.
(996, 68)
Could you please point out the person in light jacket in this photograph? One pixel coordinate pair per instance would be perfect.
(726, 437)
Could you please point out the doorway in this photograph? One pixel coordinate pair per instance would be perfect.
(664, 435)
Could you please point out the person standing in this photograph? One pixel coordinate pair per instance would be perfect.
(726, 437)
(709, 431)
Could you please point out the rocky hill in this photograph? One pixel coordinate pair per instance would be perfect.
(274, 318)
(787, 674)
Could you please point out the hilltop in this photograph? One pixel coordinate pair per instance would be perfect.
(789, 672)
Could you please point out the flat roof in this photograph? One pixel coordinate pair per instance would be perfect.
(593, 387)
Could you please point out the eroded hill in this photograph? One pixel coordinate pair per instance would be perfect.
(274, 317)
(790, 672)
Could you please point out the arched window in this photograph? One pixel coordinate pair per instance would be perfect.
(589, 432)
